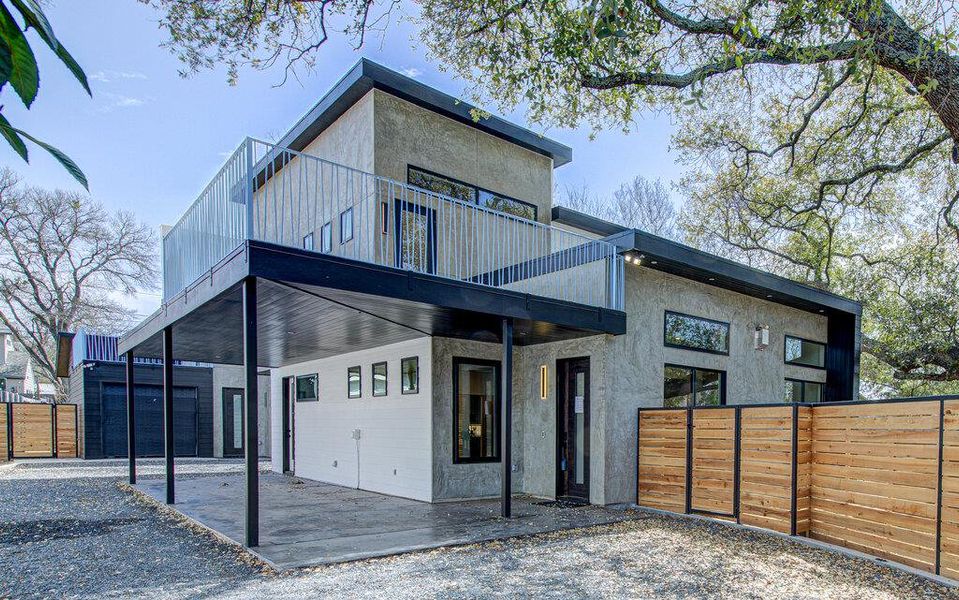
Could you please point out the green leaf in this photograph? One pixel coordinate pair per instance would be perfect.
(739, 61)
(24, 77)
(62, 158)
(74, 67)
(34, 17)
(10, 134)
(6, 63)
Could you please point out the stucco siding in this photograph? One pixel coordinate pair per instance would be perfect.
(233, 376)
(636, 359)
(393, 453)
(406, 134)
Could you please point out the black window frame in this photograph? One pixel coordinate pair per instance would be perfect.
(668, 344)
(309, 246)
(348, 211)
(316, 387)
(359, 372)
(692, 383)
(326, 237)
(497, 410)
(476, 192)
(385, 218)
(386, 379)
(802, 390)
(416, 388)
(803, 340)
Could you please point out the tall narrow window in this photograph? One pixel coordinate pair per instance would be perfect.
(695, 333)
(326, 238)
(379, 379)
(346, 225)
(308, 241)
(306, 388)
(354, 382)
(806, 353)
(384, 217)
(476, 409)
(689, 386)
(410, 373)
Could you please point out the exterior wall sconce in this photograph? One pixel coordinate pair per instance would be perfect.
(543, 383)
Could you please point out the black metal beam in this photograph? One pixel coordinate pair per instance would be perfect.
(131, 419)
(168, 448)
(252, 522)
(506, 381)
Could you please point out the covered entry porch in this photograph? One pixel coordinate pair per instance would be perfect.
(305, 523)
(266, 306)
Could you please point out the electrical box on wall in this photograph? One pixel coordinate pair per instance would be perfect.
(761, 337)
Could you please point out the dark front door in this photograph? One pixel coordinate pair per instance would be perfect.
(415, 237)
(572, 432)
(232, 422)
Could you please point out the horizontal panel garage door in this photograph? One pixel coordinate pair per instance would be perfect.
(149, 420)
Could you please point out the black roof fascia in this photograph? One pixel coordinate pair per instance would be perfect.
(367, 75)
(685, 261)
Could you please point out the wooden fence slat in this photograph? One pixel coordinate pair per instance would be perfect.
(32, 430)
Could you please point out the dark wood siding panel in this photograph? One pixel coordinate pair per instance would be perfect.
(99, 374)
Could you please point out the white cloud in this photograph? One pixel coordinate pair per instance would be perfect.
(111, 76)
(411, 72)
(115, 101)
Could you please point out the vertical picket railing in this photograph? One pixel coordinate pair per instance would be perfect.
(268, 193)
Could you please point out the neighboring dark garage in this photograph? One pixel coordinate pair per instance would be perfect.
(102, 409)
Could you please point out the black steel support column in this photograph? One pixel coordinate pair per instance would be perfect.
(131, 420)
(506, 384)
(252, 526)
(737, 458)
(688, 503)
(168, 411)
(942, 427)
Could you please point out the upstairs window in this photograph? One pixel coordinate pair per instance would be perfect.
(308, 241)
(326, 238)
(448, 186)
(346, 225)
(797, 390)
(805, 353)
(689, 386)
(695, 333)
(410, 375)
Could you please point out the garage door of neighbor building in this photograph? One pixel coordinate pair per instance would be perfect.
(149, 420)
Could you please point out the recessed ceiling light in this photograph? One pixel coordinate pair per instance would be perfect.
(821, 310)
(654, 262)
(769, 295)
(712, 279)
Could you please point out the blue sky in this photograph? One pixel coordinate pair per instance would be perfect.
(149, 140)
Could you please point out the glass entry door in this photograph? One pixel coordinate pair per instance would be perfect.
(572, 410)
(415, 237)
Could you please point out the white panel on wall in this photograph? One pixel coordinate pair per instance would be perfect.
(381, 444)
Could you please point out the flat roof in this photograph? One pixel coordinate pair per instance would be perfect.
(685, 261)
(367, 75)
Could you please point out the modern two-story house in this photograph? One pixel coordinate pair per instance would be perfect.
(434, 328)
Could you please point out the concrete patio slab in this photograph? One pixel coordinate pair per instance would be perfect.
(306, 523)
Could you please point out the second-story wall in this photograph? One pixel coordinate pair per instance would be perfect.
(406, 134)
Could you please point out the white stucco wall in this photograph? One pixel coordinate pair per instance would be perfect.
(394, 452)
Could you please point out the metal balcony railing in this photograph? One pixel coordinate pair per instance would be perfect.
(268, 193)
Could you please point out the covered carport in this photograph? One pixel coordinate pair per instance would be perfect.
(266, 305)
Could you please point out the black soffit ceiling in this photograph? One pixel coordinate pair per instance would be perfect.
(301, 322)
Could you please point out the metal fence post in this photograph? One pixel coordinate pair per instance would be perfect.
(942, 423)
(689, 460)
(795, 470)
(737, 457)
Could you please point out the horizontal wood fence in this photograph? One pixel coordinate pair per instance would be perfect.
(878, 477)
(34, 430)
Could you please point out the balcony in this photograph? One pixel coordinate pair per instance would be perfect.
(272, 194)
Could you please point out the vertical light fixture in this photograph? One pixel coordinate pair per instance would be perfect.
(543, 385)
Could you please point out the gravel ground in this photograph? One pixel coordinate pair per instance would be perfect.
(84, 537)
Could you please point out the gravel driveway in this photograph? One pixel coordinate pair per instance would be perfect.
(82, 536)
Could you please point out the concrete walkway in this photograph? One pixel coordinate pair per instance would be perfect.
(306, 523)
